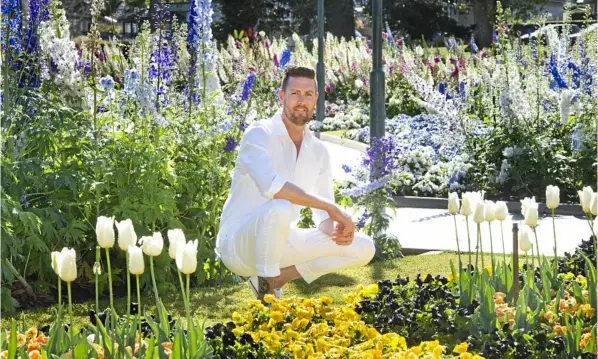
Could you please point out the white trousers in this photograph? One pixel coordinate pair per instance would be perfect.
(266, 242)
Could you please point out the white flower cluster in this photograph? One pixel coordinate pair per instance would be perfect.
(56, 45)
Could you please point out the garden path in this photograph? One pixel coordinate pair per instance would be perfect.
(434, 229)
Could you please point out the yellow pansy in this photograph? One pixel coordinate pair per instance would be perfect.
(461, 348)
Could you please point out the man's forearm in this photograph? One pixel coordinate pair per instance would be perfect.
(297, 196)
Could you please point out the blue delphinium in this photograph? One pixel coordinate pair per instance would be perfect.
(11, 15)
(285, 58)
(107, 82)
(346, 168)
(231, 144)
(558, 80)
(247, 86)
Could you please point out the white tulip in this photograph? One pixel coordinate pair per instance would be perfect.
(419, 51)
(105, 231)
(490, 211)
(55, 256)
(469, 202)
(67, 265)
(594, 204)
(126, 234)
(524, 236)
(552, 197)
(136, 265)
(531, 216)
(453, 203)
(525, 203)
(479, 215)
(501, 210)
(358, 83)
(585, 198)
(176, 238)
(186, 257)
(152, 245)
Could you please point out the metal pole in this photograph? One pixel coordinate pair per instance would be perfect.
(377, 97)
(515, 264)
(320, 69)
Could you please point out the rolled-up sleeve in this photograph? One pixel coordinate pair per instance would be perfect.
(256, 159)
(324, 187)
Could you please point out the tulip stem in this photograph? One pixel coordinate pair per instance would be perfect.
(468, 238)
(458, 249)
(96, 272)
(128, 285)
(138, 308)
(189, 320)
(537, 246)
(480, 244)
(112, 312)
(184, 293)
(68, 286)
(155, 287)
(59, 291)
(491, 246)
(502, 235)
(554, 233)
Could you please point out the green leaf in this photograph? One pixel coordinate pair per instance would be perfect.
(82, 348)
(12, 344)
(177, 352)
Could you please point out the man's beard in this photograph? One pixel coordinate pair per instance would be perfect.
(299, 118)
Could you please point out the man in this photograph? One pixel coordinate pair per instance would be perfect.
(281, 167)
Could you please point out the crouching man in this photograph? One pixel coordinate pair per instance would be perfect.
(281, 167)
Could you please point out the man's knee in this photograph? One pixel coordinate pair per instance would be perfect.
(281, 210)
(365, 249)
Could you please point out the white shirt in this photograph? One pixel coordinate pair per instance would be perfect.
(267, 159)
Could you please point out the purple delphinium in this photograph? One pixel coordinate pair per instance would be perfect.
(38, 12)
(247, 86)
(346, 168)
(362, 219)
(231, 144)
(382, 157)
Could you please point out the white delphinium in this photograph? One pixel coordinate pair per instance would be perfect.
(56, 44)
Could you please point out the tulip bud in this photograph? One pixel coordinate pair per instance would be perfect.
(525, 203)
(67, 265)
(501, 210)
(186, 257)
(594, 204)
(585, 198)
(55, 256)
(105, 231)
(176, 238)
(479, 215)
(136, 265)
(524, 236)
(490, 211)
(453, 203)
(152, 245)
(531, 216)
(126, 234)
(552, 197)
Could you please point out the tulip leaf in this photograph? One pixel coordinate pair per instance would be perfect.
(82, 348)
(12, 343)
(177, 352)
(106, 342)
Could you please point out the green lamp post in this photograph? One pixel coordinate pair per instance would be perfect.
(320, 68)
(377, 96)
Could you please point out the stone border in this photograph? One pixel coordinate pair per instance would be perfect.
(344, 142)
(442, 203)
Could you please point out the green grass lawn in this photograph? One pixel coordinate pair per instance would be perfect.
(217, 304)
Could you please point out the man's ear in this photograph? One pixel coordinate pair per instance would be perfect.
(281, 94)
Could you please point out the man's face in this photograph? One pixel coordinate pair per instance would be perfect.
(299, 100)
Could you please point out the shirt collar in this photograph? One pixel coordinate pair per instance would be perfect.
(279, 129)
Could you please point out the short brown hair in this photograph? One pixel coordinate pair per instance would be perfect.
(298, 71)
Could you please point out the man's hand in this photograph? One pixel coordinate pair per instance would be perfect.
(345, 229)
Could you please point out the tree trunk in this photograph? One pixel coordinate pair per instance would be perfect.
(483, 13)
(340, 18)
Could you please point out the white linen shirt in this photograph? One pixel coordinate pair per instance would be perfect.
(267, 159)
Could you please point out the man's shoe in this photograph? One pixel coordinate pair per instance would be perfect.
(255, 282)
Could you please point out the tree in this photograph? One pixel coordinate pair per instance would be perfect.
(484, 12)
(419, 18)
